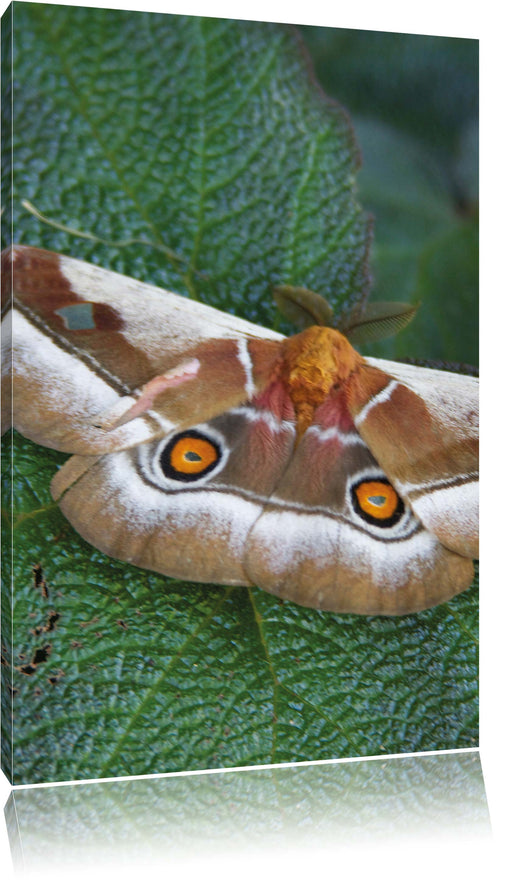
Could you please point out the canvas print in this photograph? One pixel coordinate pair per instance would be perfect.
(240, 398)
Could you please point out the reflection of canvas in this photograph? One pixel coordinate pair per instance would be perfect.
(220, 174)
(183, 820)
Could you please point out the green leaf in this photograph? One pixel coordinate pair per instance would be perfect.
(209, 139)
(418, 225)
(414, 99)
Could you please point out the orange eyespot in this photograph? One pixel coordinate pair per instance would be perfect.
(193, 455)
(377, 502)
(189, 456)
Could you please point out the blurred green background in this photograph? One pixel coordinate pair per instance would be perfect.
(413, 102)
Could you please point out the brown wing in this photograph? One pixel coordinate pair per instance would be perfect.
(89, 346)
(183, 505)
(260, 511)
(335, 535)
(422, 427)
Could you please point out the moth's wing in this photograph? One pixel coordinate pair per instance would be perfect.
(422, 427)
(314, 545)
(269, 513)
(129, 505)
(87, 342)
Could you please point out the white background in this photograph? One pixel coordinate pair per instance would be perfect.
(489, 23)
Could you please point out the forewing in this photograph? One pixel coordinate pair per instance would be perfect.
(87, 342)
(422, 427)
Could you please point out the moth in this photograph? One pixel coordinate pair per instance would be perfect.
(210, 449)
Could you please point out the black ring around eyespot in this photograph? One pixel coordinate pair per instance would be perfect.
(379, 521)
(207, 444)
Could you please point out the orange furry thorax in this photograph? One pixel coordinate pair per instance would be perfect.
(316, 362)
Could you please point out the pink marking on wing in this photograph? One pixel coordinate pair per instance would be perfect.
(334, 413)
(175, 377)
(276, 399)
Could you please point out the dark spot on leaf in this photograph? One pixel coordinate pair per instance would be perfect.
(50, 625)
(122, 623)
(39, 580)
(41, 654)
(53, 679)
(52, 621)
(27, 669)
